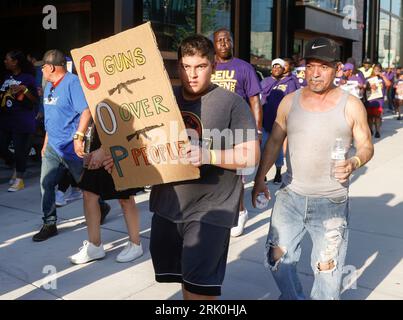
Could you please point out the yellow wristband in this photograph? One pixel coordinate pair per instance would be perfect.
(359, 163)
(25, 91)
(213, 158)
(80, 134)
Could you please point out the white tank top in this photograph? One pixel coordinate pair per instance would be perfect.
(311, 136)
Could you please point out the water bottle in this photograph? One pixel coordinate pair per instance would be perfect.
(88, 139)
(261, 201)
(87, 146)
(339, 152)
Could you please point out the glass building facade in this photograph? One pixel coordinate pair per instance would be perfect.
(390, 46)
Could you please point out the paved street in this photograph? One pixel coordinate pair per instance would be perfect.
(374, 258)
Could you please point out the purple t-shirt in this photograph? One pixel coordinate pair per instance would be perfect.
(17, 113)
(299, 73)
(390, 75)
(237, 76)
(273, 91)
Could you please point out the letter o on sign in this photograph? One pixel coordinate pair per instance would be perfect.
(101, 106)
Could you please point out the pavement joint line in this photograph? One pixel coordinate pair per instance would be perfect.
(141, 290)
(28, 283)
(19, 209)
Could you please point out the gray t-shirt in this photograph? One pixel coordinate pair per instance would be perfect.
(214, 198)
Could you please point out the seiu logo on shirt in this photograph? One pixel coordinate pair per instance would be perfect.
(282, 87)
(225, 79)
(52, 101)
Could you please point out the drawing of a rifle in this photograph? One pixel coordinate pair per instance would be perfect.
(143, 132)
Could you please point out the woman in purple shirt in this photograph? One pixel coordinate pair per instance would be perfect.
(18, 98)
(376, 86)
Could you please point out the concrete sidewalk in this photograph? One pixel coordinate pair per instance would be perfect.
(374, 256)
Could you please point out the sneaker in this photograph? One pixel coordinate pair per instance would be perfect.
(238, 230)
(60, 199)
(377, 135)
(47, 231)
(75, 194)
(105, 208)
(130, 252)
(277, 178)
(88, 252)
(17, 185)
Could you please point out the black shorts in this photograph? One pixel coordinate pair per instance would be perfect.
(100, 182)
(192, 253)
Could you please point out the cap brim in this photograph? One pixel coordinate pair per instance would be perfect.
(42, 63)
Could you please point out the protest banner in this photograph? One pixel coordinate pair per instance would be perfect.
(375, 89)
(133, 106)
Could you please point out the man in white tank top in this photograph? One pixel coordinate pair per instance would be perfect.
(313, 199)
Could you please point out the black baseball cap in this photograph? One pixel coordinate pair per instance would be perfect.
(367, 61)
(54, 57)
(322, 49)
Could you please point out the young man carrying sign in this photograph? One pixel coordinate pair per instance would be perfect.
(192, 220)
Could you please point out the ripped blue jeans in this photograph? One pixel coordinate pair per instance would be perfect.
(326, 220)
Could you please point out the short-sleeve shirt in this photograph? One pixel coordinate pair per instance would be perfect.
(17, 112)
(214, 197)
(273, 92)
(237, 76)
(299, 73)
(63, 106)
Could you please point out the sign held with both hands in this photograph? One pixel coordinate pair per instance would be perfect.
(133, 106)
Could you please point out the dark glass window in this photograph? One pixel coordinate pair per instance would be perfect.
(215, 14)
(172, 20)
(261, 49)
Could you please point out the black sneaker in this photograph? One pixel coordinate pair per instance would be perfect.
(277, 178)
(377, 135)
(47, 231)
(105, 208)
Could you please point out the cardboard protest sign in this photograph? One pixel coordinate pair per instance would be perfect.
(375, 90)
(353, 87)
(132, 103)
(399, 90)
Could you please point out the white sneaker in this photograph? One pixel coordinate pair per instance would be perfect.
(88, 252)
(75, 194)
(238, 230)
(130, 252)
(60, 200)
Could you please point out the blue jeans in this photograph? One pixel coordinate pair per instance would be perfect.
(51, 171)
(326, 220)
(280, 159)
